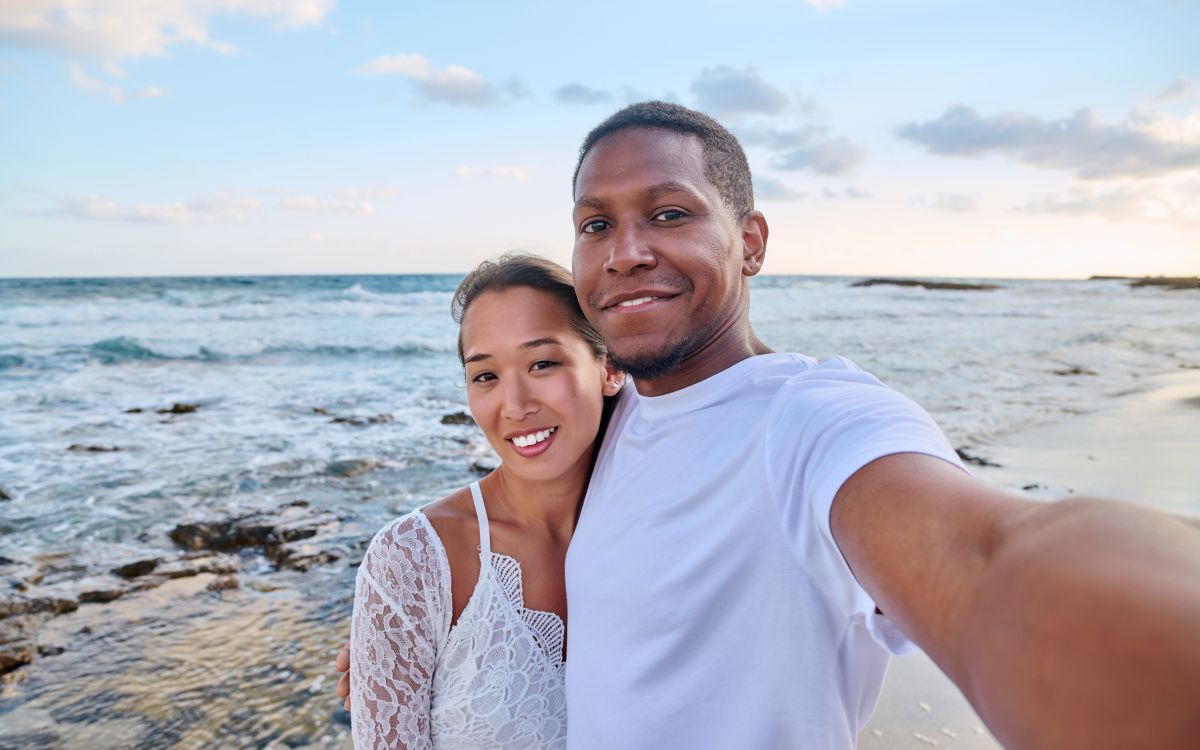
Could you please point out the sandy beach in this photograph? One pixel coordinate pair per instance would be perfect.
(1142, 449)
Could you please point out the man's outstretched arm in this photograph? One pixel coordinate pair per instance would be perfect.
(1067, 625)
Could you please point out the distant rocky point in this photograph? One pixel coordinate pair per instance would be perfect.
(945, 285)
(1170, 282)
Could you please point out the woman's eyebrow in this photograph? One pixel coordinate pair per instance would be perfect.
(531, 344)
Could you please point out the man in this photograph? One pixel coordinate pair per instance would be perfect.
(761, 529)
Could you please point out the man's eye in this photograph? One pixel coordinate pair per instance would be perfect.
(671, 214)
(594, 225)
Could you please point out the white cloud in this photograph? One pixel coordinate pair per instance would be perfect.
(454, 84)
(209, 209)
(1176, 203)
(832, 157)
(1143, 145)
(516, 173)
(331, 205)
(851, 192)
(577, 93)
(723, 90)
(825, 4)
(82, 81)
(118, 29)
(770, 189)
(955, 203)
(1177, 89)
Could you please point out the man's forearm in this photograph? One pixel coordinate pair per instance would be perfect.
(1085, 630)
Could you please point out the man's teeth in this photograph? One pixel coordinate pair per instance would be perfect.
(524, 441)
(638, 301)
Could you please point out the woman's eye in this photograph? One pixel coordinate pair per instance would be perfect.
(542, 364)
(593, 226)
(671, 214)
(483, 377)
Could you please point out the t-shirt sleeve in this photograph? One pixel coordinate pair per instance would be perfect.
(826, 424)
(402, 611)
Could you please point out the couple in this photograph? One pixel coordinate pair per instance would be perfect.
(760, 530)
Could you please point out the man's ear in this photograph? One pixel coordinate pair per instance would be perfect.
(754, 242)
(613, 379)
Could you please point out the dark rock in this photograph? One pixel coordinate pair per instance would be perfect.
(1034, 486)
(458, 417)
(351, 467)
(223, 583)
(1075, 370)
(1170, 282)
(977, 460)
(276, 535)
(319, 410)
(178, 408)
(17, 636)
(101, 595)
(363, 421)
(4, 495)
(479, 467)
(76, 447)
(938, 285)
(11, 606)
(50, 650)
(135, 410)
(341, 716)
(191, 566)
(138, 568)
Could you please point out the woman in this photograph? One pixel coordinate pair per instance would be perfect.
(458, 635)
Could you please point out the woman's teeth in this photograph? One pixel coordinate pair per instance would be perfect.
(524, 441)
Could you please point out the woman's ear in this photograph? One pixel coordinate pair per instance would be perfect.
(613, 379)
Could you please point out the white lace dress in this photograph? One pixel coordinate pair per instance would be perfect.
(493, 680)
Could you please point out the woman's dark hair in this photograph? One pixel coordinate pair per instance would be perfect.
(531, 272)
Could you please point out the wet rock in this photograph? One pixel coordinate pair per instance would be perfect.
(1034, 486)
(277, 535)
(77, 448)
(319, 410)
(4, 496)
(341, 716)
(101, 591)
(46, 650)
(135, 410)
(1075, 371)
(458, 417)
(17, 636)
(973, 459)
(14, 605)
(352, 467)
(188, 566)
(936, 285)
(479, 467)
(178, 408)
(223, 583)
(363, 421)
(137, 568)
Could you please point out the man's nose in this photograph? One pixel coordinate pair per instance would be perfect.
(519, 402)
(630, 250)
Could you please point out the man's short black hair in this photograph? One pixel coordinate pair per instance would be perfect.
(725, 163)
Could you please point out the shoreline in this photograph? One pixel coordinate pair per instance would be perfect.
(1136, 450)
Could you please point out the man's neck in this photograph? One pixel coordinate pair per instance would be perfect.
(719, 354)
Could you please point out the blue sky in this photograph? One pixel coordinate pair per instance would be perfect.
(1020, 139)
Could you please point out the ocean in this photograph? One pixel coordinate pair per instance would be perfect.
(129, 406)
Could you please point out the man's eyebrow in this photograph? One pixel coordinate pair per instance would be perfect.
(663, 188)
(531, 344)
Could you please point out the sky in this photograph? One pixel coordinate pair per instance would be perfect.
(908, 138)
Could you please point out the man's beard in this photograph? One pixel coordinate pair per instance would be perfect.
(654, 365)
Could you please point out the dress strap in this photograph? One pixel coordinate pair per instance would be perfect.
(485, 536)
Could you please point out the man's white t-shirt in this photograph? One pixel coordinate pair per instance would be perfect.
(709, 604)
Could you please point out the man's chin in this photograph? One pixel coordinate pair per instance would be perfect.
(650, 365)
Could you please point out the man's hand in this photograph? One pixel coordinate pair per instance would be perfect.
(343, 665)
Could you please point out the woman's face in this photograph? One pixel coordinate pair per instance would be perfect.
(533, 384)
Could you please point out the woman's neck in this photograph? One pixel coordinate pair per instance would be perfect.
(549, 506)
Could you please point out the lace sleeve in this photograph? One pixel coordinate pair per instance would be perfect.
(402, 611)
